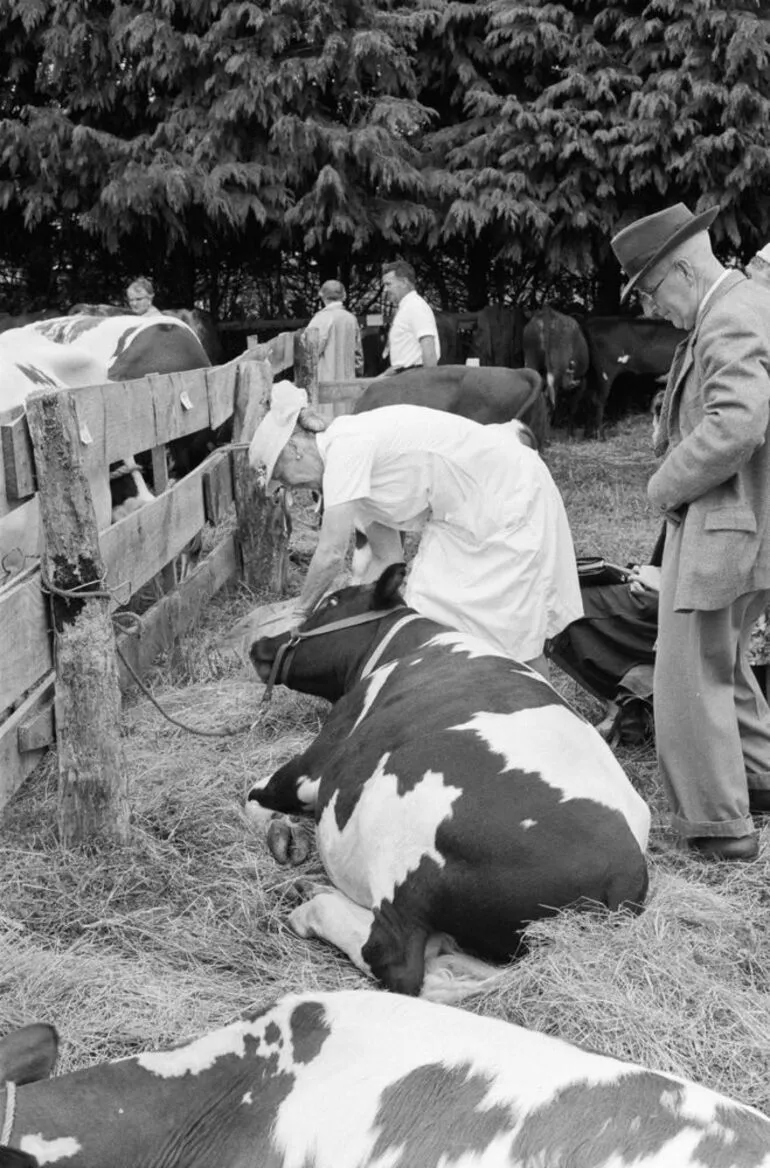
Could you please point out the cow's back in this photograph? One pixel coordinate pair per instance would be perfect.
(482, 394)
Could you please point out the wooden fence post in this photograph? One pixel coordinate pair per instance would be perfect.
(261, 531)
(306, 346)
(93, 783)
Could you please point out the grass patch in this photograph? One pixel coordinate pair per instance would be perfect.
(136, 947)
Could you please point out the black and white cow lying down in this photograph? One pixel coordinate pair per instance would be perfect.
(454, 792)
(367, 1080)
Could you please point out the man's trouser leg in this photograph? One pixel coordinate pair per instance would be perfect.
(709, 721)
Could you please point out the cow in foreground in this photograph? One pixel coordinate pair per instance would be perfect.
(485, 395)
(361, 1079)
(453, 790)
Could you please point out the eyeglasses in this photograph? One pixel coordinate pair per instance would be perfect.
(648, 295)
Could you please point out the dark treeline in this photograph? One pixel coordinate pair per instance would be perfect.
(241, 152)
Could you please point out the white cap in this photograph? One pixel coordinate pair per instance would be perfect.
(274, 431)
(764, 252)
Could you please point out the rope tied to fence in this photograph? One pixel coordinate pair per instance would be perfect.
(125, 622)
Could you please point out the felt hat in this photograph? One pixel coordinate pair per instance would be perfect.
(276, 428)
(643, 244)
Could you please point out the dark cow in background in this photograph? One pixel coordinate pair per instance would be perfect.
(554, 345)
(481, 394)
(498, 338)
(357, 1079)
(453, 790)
(620, 346)
(453, 341)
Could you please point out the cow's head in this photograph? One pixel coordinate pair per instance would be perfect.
(325, 655)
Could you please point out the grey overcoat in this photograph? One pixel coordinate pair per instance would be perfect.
(715, 477)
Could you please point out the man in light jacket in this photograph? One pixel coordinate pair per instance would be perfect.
(340, 353)
(712, 721)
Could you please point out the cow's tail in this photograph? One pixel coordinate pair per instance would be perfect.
(451, 975)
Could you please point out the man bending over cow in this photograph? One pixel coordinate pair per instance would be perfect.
(496, 558)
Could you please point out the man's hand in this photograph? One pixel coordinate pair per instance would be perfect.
(644, 578)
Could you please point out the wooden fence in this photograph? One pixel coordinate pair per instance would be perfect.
(115, 422)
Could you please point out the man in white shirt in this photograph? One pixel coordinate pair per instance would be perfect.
(341, 356)
(413, 337)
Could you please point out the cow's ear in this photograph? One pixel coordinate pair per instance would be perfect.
(387, 591)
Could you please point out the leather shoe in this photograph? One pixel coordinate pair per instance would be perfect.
(759, 802)
(725, 847)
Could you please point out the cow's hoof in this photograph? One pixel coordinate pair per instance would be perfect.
(289, 843)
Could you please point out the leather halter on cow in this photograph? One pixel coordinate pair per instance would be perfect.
(454, 793)
(279, 672)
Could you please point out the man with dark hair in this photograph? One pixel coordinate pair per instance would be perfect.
(340, 353)
(711, 719)
(413, 337)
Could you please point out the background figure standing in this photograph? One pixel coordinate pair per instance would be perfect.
(139, 294)
(341, 355)
(413, 336)
(711, 719)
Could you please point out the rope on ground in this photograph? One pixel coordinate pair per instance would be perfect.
(120, 623)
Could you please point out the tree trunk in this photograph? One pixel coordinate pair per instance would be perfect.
(93, 801)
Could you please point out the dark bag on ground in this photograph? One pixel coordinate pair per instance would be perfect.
(594, 570)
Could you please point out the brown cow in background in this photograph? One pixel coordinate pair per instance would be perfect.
(554, 345)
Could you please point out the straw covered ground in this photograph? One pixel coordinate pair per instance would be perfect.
(129, 949)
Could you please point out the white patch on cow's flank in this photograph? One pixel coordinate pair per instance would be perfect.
(386, 836)
(49, 1151)
(527, 823)
(568, 754)
(525, 1070)
(624, 358)
(374, 685)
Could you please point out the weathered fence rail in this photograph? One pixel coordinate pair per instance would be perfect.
(116, 422)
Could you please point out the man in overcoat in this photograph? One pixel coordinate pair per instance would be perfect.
(713, 486)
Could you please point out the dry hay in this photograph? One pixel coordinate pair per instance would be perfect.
(136, 947)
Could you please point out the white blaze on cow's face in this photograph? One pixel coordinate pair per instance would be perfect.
(406, 824)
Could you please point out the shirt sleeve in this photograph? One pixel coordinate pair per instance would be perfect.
(348, 470)
(423, 320)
